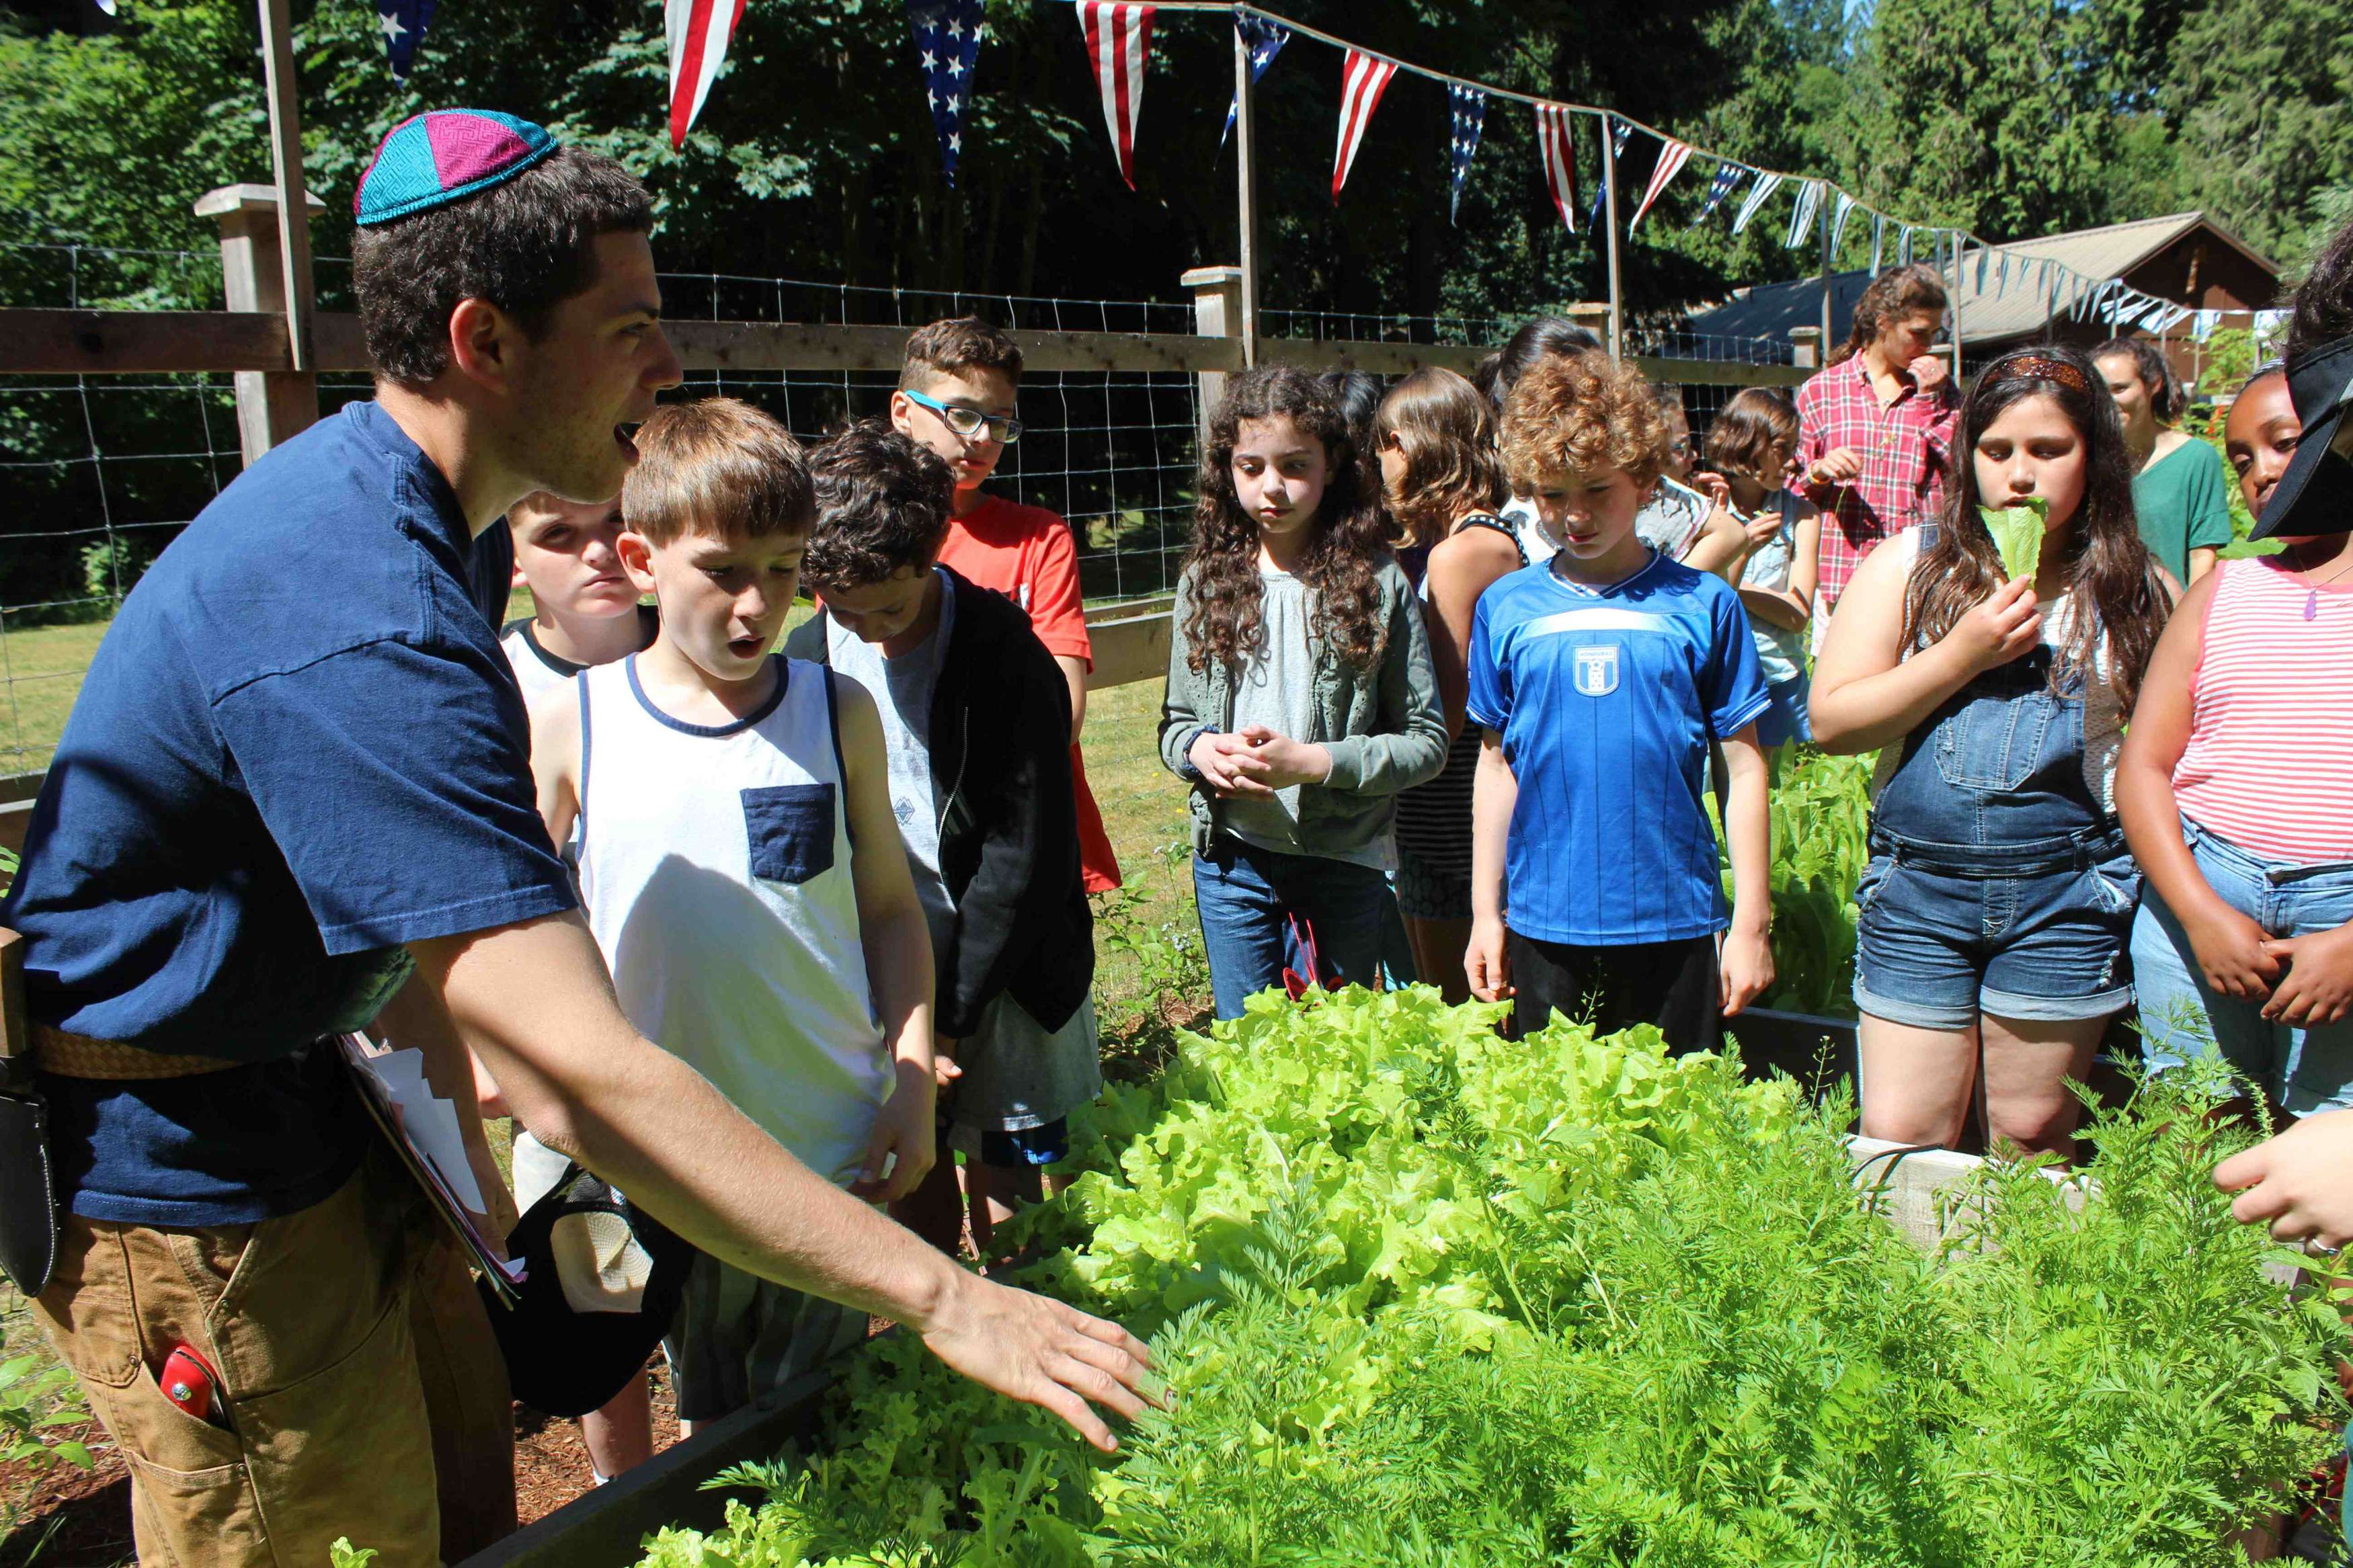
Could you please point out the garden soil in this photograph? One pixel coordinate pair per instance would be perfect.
(82, 1520)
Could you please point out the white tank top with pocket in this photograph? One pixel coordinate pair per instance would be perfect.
(714, 861)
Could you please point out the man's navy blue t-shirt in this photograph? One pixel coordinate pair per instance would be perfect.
(298, 748)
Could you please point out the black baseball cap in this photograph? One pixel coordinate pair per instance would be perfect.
(2315, 494)
(597, 1298)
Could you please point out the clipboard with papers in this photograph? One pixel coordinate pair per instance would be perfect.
(423, 1128)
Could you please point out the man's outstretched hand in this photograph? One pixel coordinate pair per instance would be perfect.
(1045, 1353)
(2301, 1181)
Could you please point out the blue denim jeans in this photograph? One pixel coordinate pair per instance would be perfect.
(1248, 897)
(2305, 1069)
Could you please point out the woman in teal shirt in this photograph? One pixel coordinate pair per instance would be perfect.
(2182, 492)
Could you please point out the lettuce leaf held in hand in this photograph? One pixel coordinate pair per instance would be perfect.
(2018, 533)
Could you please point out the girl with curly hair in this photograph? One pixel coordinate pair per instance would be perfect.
(1599, 678)
(1994, 681)
(1300, 697)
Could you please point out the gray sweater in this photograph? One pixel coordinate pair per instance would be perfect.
(1384, 727)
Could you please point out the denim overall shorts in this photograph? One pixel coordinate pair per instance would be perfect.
(1997, 883)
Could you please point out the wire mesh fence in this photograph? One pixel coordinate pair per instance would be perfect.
(99, 473)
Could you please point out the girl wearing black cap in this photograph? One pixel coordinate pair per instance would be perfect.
(2236, 785)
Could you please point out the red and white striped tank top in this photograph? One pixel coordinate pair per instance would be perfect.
(2270, 761)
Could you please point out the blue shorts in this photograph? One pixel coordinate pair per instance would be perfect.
(2304, 1069)
(1784, 719)
(1935, 949)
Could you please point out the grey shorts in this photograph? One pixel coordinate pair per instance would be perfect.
(739, 1337)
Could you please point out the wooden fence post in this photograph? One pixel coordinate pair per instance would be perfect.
(1217, 314)
(1609, 216)
(271, 406)
(1807, 351)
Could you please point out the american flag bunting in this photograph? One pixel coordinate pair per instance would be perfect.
(1672, 157)
(947, 44)
(698, 33)
(1617, 149)
(1119, 47)
(1363, 78)
(1727, 176)
(1467, 116)
(1264, 40)
(1557, 147)
(403, 24)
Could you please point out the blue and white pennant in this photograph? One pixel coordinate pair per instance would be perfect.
(1467, 108)
(947, 44)
(403, 24)
(1801, 220)
(1727, 175)
(1764, 188)
(1264, 40)
(1618, 132)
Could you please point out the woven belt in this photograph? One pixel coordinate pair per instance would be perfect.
(79, 1055)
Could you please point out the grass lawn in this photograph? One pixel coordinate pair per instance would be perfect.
(1142, 808)
(40, 671)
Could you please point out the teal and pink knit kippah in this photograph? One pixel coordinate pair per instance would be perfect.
(445, 155)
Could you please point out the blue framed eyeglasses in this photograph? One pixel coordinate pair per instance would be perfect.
(1003, 428)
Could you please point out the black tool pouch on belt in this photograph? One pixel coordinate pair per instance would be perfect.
(28, 1194)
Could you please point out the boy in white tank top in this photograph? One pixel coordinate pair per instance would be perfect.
(729, 814)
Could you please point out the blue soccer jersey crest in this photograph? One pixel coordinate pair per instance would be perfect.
(1605, 701)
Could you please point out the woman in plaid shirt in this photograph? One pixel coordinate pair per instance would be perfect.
(1875, 428)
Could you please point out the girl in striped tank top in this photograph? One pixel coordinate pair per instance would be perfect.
(1443, 479)
(2236, 788)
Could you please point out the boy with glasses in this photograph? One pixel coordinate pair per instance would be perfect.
(956, 396)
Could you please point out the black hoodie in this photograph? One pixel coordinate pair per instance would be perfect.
(1000, 736)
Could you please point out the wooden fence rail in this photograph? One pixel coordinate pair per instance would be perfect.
(123, 342)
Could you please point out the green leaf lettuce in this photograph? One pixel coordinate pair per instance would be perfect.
(2018, 533)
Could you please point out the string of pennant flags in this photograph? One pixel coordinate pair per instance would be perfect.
(1820, 208)
(947, 36)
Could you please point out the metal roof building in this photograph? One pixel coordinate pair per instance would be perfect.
(2186, 258)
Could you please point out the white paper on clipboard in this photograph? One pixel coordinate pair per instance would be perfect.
(423, 1126)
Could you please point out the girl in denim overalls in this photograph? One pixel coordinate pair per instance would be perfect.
(1995, 912)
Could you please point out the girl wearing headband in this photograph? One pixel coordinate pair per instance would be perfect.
(1996, 905)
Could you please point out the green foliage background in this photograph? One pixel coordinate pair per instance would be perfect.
(815, 158)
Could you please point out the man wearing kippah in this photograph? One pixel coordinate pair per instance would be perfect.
(293, 797)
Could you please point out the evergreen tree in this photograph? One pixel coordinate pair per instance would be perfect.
(2261, 95)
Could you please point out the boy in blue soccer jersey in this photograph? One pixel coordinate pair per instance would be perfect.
(1599, 678)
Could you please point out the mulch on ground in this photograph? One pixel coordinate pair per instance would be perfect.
(79, 1519)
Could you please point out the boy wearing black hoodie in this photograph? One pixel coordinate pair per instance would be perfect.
(976, 727)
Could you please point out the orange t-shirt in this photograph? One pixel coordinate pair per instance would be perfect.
(1025, 553)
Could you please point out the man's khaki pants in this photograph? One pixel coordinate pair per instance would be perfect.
(366, 1396)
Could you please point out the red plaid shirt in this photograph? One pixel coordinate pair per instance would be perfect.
(1906, 448)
